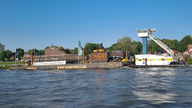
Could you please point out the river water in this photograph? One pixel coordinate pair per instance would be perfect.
(97, 88)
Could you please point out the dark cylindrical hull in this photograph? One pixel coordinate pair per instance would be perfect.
(68, 58)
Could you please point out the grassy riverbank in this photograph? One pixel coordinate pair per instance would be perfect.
(6, 65)
(9, 63)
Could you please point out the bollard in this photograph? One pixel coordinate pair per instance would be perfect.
(83, 55)
(31, 58)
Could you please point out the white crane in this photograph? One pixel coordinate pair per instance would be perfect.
(148, 33)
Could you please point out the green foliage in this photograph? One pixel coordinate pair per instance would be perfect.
(8, 53)
(3, 55)
(184, 42)
(89, 47)
(112, 47)
(126, 45)
(41, 52)
(189, 61)
(61, 49)
(29, 52)
(68, 51)
(6, 59)
(4, 67)
(139, 46)
(169, 43)
(172, 44)
(152, 46)
(47, 47)
(21, 53)
(176, 44)
(2, 47)
(11, 59)
(8, 63)
(75, 51)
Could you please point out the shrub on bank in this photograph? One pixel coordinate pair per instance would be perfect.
(8, 63)
(4, 67)
(189, 61)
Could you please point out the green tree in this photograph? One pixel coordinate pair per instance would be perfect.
(112, 47)
(68, 51)
(75, 51)
(89, 47)
(153, 46)
(61, 49)
(139, 46)
(3, 55)
(8, 53)
(2, 47)
(169, 43)
(29, 52)
(185, 41)
(176, 44)
(126, 45)
(41, 52)
(47, 47)
(21, 53)
(6, 59)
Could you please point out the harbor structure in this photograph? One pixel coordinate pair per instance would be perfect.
(150, 59)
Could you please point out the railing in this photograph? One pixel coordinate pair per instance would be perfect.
(162, 45)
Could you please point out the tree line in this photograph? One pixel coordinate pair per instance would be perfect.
(124, 44)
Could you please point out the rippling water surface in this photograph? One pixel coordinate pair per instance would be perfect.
(97, 88)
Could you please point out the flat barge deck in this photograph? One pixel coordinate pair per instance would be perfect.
(99, 65)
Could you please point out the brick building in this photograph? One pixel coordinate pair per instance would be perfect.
(53, 51)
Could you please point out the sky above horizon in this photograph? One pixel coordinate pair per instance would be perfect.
(29, 24)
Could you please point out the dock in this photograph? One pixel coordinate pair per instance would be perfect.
(99, 65)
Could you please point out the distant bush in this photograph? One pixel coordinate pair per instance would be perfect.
(189, 61)
(4, 67)
(8, 63)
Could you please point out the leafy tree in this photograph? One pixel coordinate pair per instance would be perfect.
(68, 51)
(153, 46)
(89, 47)
(6, 59)
(29, 52)
(126, 45)
(3, 55)
(139, 46)
(75, 51)
(8, 53)
(41, 52)
(185, 41)
(34, 49)
(112, 47)
(47, 47)
(21, 53)
(169, 43)
(61, 49)
(2, 47)
(176, 44)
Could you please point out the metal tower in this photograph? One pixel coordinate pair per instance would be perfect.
(144, 34)
(147, 33)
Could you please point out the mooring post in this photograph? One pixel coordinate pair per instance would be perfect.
(31, 58)
(83, 55)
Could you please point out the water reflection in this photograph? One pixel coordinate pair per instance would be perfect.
(150, 87)
(154, 84)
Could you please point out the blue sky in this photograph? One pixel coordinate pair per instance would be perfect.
(32, 24)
